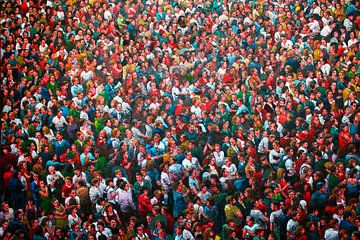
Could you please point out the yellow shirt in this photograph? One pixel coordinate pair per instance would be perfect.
(230, 212)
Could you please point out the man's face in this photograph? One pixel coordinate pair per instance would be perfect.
(113, 224)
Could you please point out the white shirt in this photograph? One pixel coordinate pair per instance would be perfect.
(326, 69)
(84, 115)
(59, 122)
(325, 31)
(85, 76)
(190, 164)
(331, 234)
(352, 42)
(314, 26)
(67, 200)
(287, 45)
(275, 156)
(326, 21)
(187, 235)
(94, 194)
(291, 225)
(219, 158)
(107, 15)
(316, 10)
(264, 144)
(72, 220)
(230, 169)
(348, 24)
(196, 110)
(82, 177)
(289, 164)
(106, 232)
(165, 181)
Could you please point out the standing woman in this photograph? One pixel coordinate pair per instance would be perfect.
(71, 128)
(144, 202)
(34, 189)
(101, 142)
(345, 139)
(23, 169)
(179, 196)
(111, 214)
(31, 211)
(45, 200)
(282, 184)
(59, 214)
(73, 218)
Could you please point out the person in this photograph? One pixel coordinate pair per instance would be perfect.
(346, 224)
(59, 214)
(31, 210)
(232, 212)
(125, 200)
(144, 202)
(54, 181)
(102, 232)
(352, 184)
(276, 154)
(319, 198)
(274, 218)
(45, 198)
(94, 191)
(187, 234)
(166, 181)
(7, 213)
(250, 228)
(111, 214)
(17, 191)
(72, 200)
(332, 231)
(141, 235)
(293, 223)
(73, 219)
(179, 196)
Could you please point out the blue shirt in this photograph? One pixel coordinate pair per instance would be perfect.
(61, 147)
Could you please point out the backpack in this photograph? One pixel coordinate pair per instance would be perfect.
(283, 160)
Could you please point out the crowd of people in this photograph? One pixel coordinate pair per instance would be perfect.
(156, 119)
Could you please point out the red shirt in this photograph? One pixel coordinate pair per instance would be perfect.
(170, 220)
(227, 78)
(270, 82)
(330, 210)
(284, 141)
(24, 8)
(144, 204)
(342, 141)
(307, 196)
(7, 176)
(67, 189)
(282, 118)
(154, 92)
